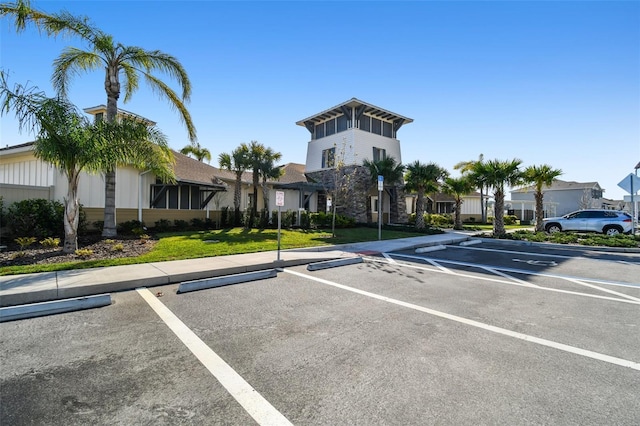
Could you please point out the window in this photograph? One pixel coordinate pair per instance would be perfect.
(342, 123)
(99, 116)
(376, 126)
(328, 158)
(365, 123)
(173, 197)
(386, 129)
(379, 154)
(184, 197)
(319, 131)
(331, 127)
(195, 198)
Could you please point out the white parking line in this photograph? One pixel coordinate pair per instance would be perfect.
(521, 271)
(606, 290)
(532, 339)
(560, 256)
(259, 408)
(495, 280)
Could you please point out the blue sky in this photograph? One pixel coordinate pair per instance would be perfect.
(543, 81)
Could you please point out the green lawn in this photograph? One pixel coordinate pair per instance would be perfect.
(197, 244)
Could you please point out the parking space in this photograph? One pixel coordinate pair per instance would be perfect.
(387, 341)
(611, 273)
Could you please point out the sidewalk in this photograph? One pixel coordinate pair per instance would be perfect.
(45, 286)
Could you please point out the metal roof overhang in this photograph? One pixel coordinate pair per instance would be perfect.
(212, 185)
(301, 186)
(353, 102)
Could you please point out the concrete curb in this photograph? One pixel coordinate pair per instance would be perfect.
(333, 263)
(32, 310)
(226, 280)
(565, 246)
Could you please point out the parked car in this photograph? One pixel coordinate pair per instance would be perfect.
(609, 222)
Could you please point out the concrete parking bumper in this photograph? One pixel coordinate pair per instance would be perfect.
(46, 286)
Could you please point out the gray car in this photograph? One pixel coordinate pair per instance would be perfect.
(609, 222)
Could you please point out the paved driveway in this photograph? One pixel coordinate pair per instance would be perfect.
(393, 340)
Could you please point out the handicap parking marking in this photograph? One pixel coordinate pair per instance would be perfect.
(498, 330)
(537, 262)
(512, 281)
(255, 404)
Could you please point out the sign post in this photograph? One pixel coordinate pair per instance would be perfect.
(279, 203)
(631, 184)
(380, 188)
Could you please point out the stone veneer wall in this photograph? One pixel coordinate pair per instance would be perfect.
(354, 188)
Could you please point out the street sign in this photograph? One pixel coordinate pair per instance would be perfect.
(631, 183)
(380, 182)
(279, 198)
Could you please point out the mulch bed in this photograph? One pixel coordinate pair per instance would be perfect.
(102, 248)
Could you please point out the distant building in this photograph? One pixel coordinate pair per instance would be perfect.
(560, 198)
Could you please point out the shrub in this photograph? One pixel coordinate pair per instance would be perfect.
(163, 225)
(36, 218)
(84, 253)
(564, 238)
(25, 242)
(202, 225)
(510, 219)
(50, 242)
(224, 217)
(305, 220)
(324, 220)
(117, 247)
(181, 225)
(437, 219)
(132, 227)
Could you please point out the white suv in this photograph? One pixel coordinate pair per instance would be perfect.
(609, 222)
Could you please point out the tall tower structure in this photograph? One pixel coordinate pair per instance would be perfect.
(348, 134)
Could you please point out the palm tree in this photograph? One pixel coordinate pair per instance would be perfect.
(117, 60)
(199, 152)
(497, 174)
(540, 176)
(423, 179)
(236, 162)
(467, 168)
(392, 172)
(70, 142)
(257, 152)
(458, 188)
(269, 170)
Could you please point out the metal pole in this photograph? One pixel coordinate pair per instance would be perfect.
(379, 215)
(279, 227)
(633, 207)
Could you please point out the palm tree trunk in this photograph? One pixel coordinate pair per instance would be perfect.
(458, 221)
(498, 215)
(109, 229)
(71, 215)
(112, 87)
(539, 211)
(483, 210)
(420, 210)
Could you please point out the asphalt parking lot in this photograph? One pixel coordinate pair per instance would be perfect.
(463, 335)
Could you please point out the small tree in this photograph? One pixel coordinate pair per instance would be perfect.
(199, 152)
(458, 188)
(540, 176)
(66, 139)
(237, 162)
(497, 174)
(423, 179)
